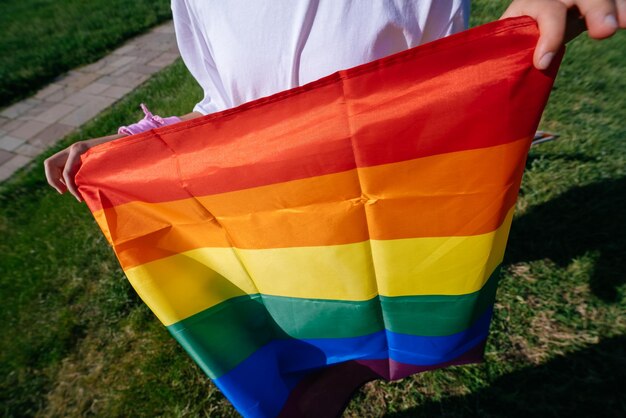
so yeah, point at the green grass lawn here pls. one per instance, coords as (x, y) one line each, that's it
(42, 39)
(78, 341)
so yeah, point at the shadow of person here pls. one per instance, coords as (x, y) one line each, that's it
(585, 219)
(577, 157)
(586, 383)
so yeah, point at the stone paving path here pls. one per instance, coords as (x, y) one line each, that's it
(28, 127)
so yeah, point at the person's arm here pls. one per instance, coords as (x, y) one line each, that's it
(191, 115)
(562, 20)
(62, 167)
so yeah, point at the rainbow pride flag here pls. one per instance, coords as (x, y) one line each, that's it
(302, 244)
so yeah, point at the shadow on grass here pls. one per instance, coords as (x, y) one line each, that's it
(584, 219)
(586, 383)
(578, 157)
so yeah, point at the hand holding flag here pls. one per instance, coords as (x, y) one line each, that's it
(560, 21)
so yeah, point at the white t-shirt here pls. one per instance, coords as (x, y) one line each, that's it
(240, 50)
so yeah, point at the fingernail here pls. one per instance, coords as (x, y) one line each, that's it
(611, 21)
(545, 61)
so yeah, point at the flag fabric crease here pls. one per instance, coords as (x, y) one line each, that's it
(302, 244)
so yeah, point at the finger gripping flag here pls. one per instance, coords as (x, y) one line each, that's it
(302, 244)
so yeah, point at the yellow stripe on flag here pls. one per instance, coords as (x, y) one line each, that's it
(179, 286)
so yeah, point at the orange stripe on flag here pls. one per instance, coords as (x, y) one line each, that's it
(456, 194)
